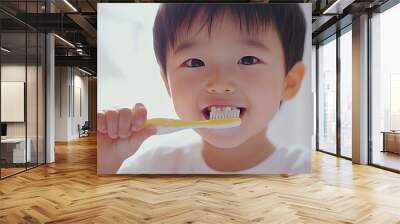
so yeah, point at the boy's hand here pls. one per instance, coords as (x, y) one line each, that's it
(119, 136)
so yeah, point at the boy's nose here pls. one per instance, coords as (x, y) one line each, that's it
(221, 88)
(221, 81)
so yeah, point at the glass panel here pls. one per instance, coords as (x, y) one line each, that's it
(346, 94)
(31, 86)
(314, 78)
(31, 100)
(385, 83)
(13, 87)
(41, 99)
(327, 97)
(23, 87)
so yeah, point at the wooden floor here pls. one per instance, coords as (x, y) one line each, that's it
(10, 171)
(387, 159)
(69, 191)
(5, 172)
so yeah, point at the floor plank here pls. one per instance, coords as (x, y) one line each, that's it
(69, 191)
(387, 159)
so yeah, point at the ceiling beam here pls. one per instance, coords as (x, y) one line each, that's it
(337, 6)
(83, 61)
(84, 24)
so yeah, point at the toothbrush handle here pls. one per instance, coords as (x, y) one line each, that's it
(166, 126)
(166, 122)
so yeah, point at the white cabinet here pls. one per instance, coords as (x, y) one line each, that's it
(17, 146)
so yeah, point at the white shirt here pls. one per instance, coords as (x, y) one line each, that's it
(189, 160)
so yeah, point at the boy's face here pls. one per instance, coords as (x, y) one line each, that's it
(229, 68)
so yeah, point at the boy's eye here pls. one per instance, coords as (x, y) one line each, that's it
(248, 60)
(193, 62)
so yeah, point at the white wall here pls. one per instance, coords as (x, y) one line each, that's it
(67, 116)
(15, 72)
(61, 82)
(80, 118)
(12, 73)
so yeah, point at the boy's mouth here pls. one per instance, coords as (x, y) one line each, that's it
(219, 112)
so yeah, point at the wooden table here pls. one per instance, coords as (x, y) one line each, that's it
(391, 141)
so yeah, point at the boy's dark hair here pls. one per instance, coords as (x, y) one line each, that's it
(287, 19)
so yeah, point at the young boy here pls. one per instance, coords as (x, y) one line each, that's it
(245, 56)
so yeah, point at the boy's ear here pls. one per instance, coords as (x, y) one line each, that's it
(165, 80)
(293, 80)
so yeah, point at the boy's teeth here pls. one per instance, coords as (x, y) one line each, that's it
(222, 108)
(221, 112)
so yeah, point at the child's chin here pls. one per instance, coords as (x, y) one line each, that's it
(222, 140)
(223, 145)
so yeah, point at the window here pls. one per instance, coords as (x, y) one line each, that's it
(346, 93)
(385, 89)
(327, 96)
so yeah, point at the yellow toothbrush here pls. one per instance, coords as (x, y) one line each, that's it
(218, 119)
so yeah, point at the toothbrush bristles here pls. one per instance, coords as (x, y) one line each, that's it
(223, 113)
